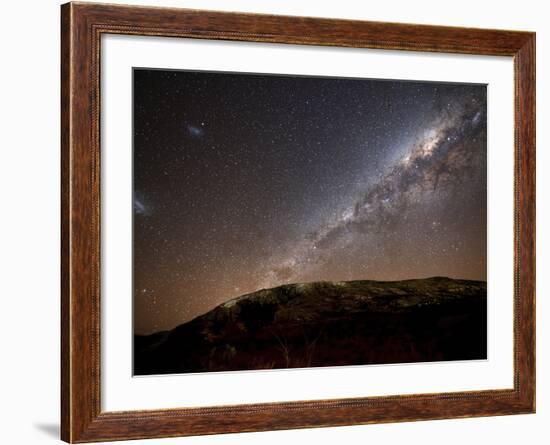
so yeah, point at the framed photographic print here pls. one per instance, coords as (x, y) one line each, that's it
(279, 222)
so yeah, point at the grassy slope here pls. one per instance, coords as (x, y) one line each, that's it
(327, 324)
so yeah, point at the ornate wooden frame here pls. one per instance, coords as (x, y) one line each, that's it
(82, 25)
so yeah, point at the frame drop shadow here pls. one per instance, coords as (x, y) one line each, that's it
(49, 429)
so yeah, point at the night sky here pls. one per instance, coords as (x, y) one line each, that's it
(243, 182)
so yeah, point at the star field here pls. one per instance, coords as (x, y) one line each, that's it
(248, 181)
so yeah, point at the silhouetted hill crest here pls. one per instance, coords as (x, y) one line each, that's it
(246, 332)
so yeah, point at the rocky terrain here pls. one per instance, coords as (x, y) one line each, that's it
(326, 324)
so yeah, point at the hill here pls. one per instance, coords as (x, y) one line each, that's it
(326, 324)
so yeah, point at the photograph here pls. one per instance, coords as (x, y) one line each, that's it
(298, 221)
(281, 219)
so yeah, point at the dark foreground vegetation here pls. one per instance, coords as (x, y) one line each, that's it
(327, 324)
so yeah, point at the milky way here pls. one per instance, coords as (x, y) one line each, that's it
(243, 182)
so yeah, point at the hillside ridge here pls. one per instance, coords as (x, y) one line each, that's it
(263, 326)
